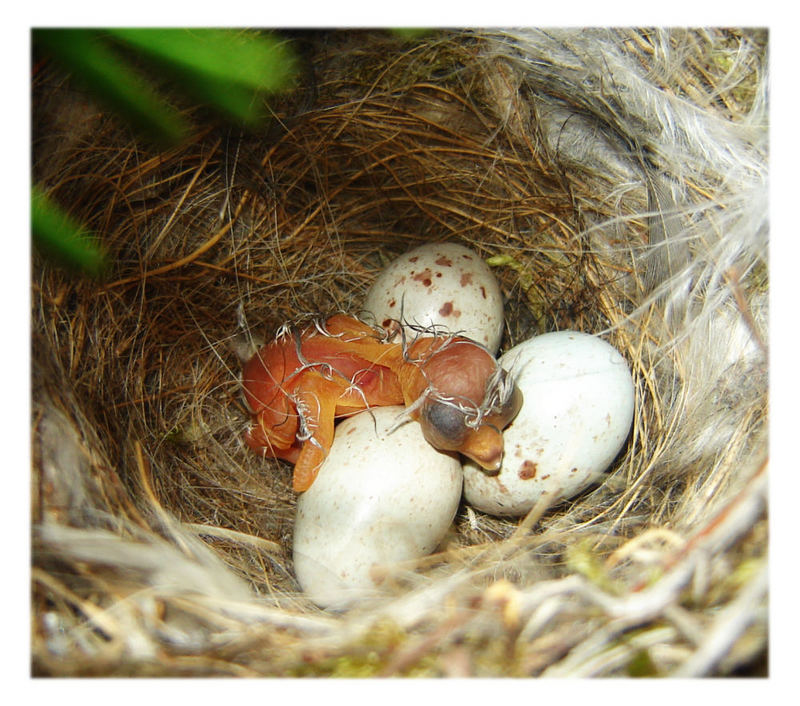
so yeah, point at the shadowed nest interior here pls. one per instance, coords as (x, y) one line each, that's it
(616, 180)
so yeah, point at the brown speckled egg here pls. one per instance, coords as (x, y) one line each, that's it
(442, 284)
(577, 409)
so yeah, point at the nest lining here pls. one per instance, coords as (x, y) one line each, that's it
(616, 178)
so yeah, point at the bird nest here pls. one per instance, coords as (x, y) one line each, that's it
(615, 179)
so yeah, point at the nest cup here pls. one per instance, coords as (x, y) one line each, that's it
(615, 180)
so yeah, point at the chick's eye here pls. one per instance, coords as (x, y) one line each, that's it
(443, 425)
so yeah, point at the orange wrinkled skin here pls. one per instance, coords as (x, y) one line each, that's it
(297, 385)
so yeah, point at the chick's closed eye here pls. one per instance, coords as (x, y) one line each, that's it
(443, 424)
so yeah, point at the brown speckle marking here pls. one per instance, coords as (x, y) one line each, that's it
(573, 470)
(466, 278)
(447, 309)
(444, 261)
(424, 277)
(392, 303)
(413, 259)
(527, 470)
(483, 291)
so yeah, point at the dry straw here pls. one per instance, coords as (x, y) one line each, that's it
(618, 182)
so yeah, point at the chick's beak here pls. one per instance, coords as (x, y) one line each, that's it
(484, 446)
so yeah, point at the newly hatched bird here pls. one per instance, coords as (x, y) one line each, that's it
(299, 383)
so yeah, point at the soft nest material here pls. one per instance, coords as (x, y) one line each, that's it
(616, 180)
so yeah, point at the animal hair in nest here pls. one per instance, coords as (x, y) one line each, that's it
(617, 179)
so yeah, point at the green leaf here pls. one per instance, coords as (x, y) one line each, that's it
(92, 62)
(61, 238)
(525, 277)
(224, 68)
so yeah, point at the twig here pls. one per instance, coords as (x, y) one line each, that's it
(234, 536)
(728, 625)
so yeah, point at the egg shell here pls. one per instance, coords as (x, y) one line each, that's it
(442, 284)
(379, 498)
(577, 409)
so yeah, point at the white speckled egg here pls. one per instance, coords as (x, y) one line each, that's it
(379, 498)
(445, 284)
(576, 413)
